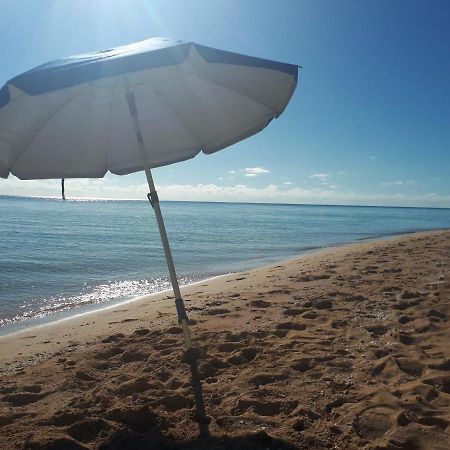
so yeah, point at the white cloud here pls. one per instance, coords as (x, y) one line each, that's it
(288, 183)
(112, 189)
(342, 172)
(231, 172)
(320, 176)
(254, 171)
(239, 192)
(274, 193)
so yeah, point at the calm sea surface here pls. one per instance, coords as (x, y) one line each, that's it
(63, 258)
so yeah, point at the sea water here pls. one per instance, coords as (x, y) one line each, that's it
(59, 258)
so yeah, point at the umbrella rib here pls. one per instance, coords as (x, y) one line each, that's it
(228, 88)
(40, 130)
(18, 97)
(108, 133)
(194, 137)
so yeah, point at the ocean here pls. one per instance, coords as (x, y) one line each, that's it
(60, 258)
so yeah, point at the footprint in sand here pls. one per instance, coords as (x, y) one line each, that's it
(380, 353)
(434, 314)
(23, 398)
(139, 419)
(174, 330)
(174, 402)
(228, 347)
(407, 295)
(406, 339)
(444, 365)
(259, 304)
(250, 353)
(133, 355)
(134, 386)
(377, 329)
(109, 353)
(375, 422)
(405, 319)
(265, 408)
(339, 323)
(84, 376)
(304, 364)
(291, 326)
(294, 311)
(113, 338)
(422, 390)
(141, 332)
(410, 366)
(35, 388)
(87, 430)
(322, 303)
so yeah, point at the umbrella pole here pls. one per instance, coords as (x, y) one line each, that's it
(191, 353)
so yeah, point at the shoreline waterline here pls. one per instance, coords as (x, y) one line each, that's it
(155, 296)
(101, 307)
(71, 311)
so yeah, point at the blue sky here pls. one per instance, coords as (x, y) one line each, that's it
(368, 124)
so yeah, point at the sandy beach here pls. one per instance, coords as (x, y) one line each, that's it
(345, 348)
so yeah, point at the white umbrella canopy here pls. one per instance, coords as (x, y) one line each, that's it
(133, 108)
(70, 118)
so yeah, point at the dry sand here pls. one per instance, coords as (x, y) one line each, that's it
(345, 348)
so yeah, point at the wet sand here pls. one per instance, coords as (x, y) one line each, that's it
(345, 348)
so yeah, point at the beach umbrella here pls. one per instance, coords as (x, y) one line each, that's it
(134, 108)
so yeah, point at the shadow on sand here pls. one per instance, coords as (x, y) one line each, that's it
(126, 439)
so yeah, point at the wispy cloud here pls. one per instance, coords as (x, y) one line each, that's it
(320, 176)
(397, 183)
(288, 183)
(254, 171)
(372, 157)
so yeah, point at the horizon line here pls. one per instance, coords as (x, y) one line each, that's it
(48, 197)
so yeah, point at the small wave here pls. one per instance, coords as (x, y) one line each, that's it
(308, 247)
(101, 294)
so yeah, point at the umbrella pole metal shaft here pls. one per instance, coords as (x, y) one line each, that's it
(179, 303)
(191, 354)
(153, 197)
